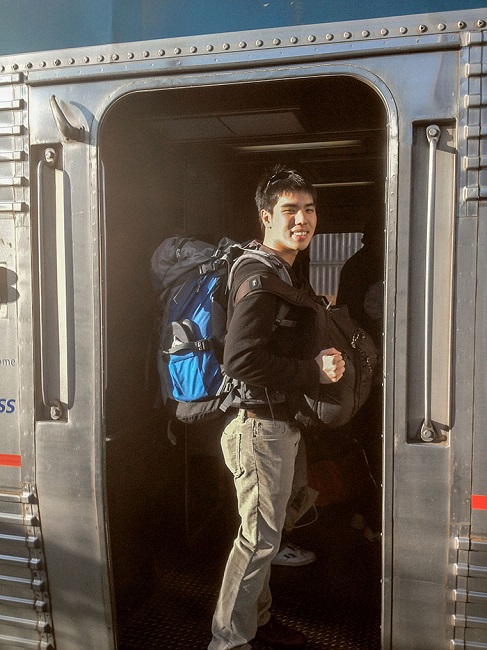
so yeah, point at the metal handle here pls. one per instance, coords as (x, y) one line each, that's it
(52, 293)
(428, 431)
(49, 160)
(69, 131)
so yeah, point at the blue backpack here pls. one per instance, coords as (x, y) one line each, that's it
(192, 279)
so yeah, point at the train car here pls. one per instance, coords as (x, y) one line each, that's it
(114, 522)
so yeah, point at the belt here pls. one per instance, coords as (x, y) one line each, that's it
(278, 412)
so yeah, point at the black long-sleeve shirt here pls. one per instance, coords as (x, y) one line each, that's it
(275, 364)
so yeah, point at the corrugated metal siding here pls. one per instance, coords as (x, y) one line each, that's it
(25, 620)
(328, 253)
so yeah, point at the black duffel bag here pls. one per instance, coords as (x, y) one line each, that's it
(334, 405)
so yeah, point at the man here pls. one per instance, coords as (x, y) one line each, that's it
(275, 367)
(361, 283)
(361, 288)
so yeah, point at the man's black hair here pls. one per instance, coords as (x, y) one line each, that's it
(274, 184)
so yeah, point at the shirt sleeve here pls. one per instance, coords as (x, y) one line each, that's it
(250, 357)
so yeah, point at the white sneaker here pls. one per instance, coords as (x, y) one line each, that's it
(292, 555)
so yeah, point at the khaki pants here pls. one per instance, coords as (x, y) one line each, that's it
(261, 454)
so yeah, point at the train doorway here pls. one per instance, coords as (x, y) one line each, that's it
(186, 160)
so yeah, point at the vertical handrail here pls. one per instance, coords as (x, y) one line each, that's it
(428, 431)
(48, 161)
(54, 404)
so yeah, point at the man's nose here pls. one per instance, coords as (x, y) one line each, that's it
(300, 216)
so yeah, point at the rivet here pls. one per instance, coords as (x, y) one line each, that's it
(130, 55)
(293, 40)
(177, 50)
(161, 52)
(365, 33)
(115, 57)
(311, 38)
(481, 23)
(100, 58)
(259, 43)
(403, 30)
(442, 27)
(242, 45)
(384, 31)
(145, 54)
(57, 62)
(71, 61)
(276, 41)
(329, 37)
(461, 24)
(86, 59)
(347, 35)
(28, 65)
(15, 66)
(2, 68)
(226, 46)
(209, 48)
(193, 49)
(427, 435)
(422, 28)
(42, 64)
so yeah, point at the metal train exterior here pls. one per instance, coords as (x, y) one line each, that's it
(107, 149)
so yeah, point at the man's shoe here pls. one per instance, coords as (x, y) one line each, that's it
(278, 635)
(292, 555)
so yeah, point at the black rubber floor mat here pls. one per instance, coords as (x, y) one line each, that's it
(335, 602)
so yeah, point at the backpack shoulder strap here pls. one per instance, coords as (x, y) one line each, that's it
(270, 283)
(254, 284)
(271, 262)
(274, 278)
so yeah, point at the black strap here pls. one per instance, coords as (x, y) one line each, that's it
(270, 283)
(182, 346)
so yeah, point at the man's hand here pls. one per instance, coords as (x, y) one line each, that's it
(332, 365)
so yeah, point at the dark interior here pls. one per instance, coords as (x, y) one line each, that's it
(186, 161)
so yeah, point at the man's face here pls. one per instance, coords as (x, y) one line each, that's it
(291, 225)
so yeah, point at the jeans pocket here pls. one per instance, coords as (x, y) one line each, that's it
(274, 429)
(232, 452)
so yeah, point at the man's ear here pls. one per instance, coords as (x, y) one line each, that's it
(266, 217)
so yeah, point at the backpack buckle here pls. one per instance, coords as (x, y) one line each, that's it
(203, 345)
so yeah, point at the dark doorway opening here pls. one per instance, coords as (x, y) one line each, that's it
(186, 161)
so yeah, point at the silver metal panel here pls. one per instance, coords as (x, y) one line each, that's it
(420, 512)
(69, 448)
(418, 471)
(467, 256)
(466, 580)
(333, 41)
(418, 477)
(479, 469)
(9, 358)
